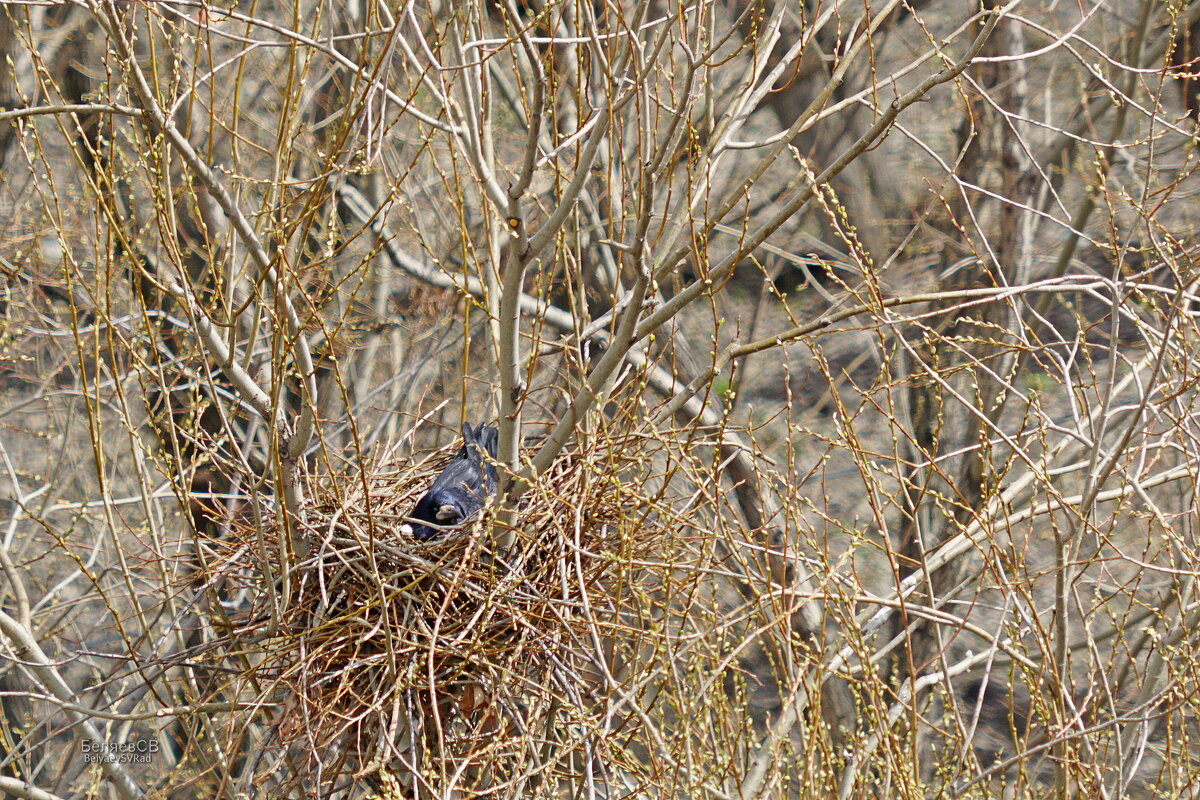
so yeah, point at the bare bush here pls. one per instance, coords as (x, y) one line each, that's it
(841, 357)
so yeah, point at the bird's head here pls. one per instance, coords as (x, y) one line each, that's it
(461, 490)
(436, 511)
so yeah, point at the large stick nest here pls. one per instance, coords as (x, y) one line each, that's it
(403, 657)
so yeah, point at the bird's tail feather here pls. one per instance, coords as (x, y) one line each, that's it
(483, 437)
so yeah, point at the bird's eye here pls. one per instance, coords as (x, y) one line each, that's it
(447, 513)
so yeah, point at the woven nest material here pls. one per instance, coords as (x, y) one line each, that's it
(393, 654)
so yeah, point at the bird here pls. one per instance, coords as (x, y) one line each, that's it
(460, 491)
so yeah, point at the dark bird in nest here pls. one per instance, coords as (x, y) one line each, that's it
(462, 488)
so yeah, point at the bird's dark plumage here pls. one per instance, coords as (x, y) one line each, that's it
(462, 488)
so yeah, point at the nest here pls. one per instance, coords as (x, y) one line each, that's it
(409, 658)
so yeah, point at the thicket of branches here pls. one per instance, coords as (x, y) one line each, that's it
(841, 353)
